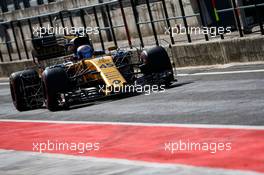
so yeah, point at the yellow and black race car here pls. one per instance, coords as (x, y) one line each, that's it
(86, 75)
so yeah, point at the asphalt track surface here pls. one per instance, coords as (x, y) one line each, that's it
(232, 99)
(209, 103)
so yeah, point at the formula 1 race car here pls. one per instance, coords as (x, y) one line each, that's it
(86, 76)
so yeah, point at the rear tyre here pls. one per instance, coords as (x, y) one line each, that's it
(156, 63)
(26, 91)
(55, 81)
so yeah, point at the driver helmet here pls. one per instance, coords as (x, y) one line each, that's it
(85, 51)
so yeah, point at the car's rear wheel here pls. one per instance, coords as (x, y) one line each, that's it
(155, 61)
(55, 81)
(26, 91)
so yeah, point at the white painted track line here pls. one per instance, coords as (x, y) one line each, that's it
(250, 127)
(202, 73)
(222, 73)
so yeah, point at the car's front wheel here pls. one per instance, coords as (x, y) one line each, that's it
(26, 90)
(55, 82)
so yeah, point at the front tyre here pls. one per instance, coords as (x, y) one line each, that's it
(26, 90)
(55, 81)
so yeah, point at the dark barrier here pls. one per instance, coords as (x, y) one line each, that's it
(240, 14)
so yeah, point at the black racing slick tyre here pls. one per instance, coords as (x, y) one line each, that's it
(156, 66)
(155, 60)
(55, 81)
(26, 90)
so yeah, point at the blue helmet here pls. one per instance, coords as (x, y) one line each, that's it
(85, 51)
